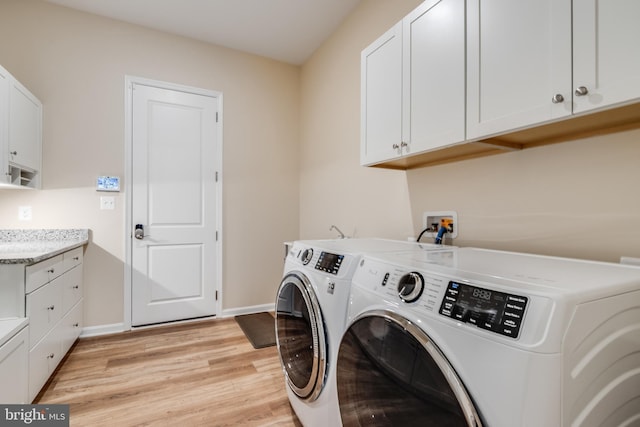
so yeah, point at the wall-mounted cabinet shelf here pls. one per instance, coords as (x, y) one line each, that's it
(578, 127)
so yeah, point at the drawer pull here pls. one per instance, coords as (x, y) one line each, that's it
(51, 307)
(76, 287)
(75, 325)
(76, 258)
(51, 356)
(51, 271)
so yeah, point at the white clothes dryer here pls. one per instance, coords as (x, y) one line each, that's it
(311, 309)
(490, 338)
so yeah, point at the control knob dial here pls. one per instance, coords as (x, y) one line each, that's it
(410, 286)
(306, 256)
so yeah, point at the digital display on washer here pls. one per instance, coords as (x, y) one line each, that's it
(329, 262)
(492, 310)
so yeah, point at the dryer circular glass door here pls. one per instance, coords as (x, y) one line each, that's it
(390, 373)
(300, 336)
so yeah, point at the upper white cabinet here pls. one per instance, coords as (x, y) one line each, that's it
(4, 125)
(413, 84)
(20, 133)
(518, 58)
(381, 98)
(527, 67)
(606, 59)
(536, 72)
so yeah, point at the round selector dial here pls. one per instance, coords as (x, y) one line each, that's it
(306, 256)
(410, 286)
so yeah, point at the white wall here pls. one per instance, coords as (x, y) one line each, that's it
(76, 64)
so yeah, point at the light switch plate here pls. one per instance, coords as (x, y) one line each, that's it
(107, 203)
(25, 213)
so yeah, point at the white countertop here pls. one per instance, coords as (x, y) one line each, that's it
(31, 246)
(11, 326)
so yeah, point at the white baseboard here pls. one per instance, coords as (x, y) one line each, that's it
(94, 331)
(230, 312)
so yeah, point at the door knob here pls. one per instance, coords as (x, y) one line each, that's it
(557, 98)
(139, 232)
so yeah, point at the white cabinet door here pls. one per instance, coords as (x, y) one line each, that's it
(434, 75)
(44, 309)
(4, 126)
(25, 122)
(14, 369)
(381, 98)
(518, 59)
(606, 58)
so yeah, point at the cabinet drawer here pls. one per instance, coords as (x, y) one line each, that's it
(14, 369)
(43, 359)
(44, 309)
(71, 326)
(71, 288)
(43, 272)
(72, 258)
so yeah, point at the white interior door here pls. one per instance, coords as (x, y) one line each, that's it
(173, 259)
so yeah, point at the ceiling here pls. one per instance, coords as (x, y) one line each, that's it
(285, 30)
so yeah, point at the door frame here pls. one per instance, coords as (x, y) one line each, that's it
(128, 175)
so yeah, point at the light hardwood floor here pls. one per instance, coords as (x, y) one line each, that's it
(196, 374)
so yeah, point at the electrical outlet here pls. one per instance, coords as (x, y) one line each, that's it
(434, 219)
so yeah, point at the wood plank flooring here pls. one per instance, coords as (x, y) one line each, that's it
(195, 374)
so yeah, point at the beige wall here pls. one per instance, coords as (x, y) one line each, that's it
(76, 64)
(576, 199)
(362, 202)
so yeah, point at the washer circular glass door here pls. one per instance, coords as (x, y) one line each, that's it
(300, 336)
(390, 373)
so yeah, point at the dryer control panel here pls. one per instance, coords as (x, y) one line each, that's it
(329, 263)
(487, 309)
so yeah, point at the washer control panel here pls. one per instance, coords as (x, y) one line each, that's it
(329, 263)
(491, 310)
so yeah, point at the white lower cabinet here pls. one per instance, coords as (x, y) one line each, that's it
(55, 315)
(14, 368)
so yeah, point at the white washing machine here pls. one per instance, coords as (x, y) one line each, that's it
(486, 338)
(311, 309)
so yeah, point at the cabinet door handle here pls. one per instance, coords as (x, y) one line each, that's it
(76, 258)
(581, 91)
(76, 287)
(51, 356)
(13, 153)
(75, 325)
(51, 307)
(51, 271)
(403, 144)
(557, 98)
(395, 146)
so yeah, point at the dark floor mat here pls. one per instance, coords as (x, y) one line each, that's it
(259, 328)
